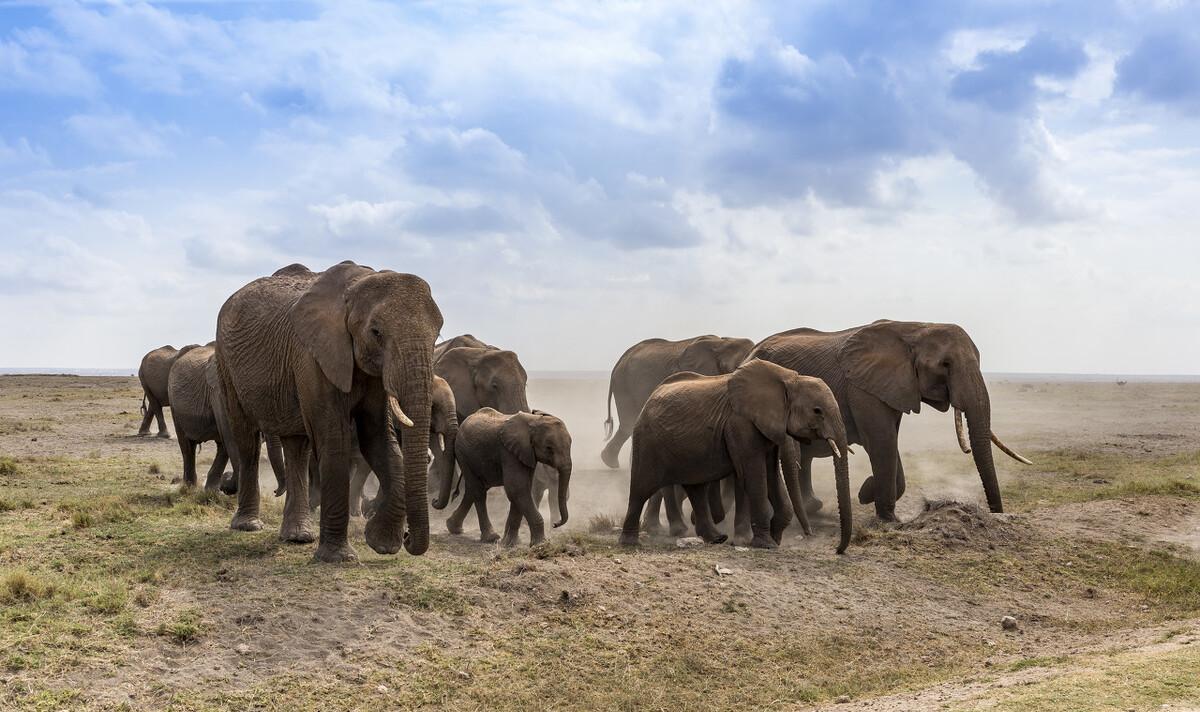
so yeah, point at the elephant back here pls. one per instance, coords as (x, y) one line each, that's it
(811, 353)
(188, 383)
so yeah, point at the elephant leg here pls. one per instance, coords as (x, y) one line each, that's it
(650, 521)
(148, 415)
(512, 525)
(812, 503)
(633, 516)
(455, 521)
(162, 423)
(781, 506)
(487, 534)
(358, 480)
(217, 469)
(243, 445)
(754, 480)
(612, 449)
(187, 449)
(899, 476)
(671, 498)
(880, 487)
(742, 530)
(517, 480)
(716, 504)
(314, 482)
(705, 528)
(275, 457)
(297, 519)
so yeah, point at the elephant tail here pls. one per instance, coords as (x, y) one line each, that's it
(608, 424)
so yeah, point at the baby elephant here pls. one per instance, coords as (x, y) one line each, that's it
(497, 449)
(695, 430)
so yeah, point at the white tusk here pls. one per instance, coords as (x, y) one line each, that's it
(958, 430)
(1007, 451)
(398, 414)
(833, 446)
(441, 443)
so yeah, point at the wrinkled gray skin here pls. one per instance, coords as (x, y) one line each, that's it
(879, 372)
(460, 340)
(443, 431)
(495, 449)
(648, 363)
(696, 430)
(321, 358)
(198, 414)
(154, 373)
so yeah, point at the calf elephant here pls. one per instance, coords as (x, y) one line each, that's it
(879, 372)
(647, 363)
(322, 358)
(154, 372)
(696, 430)
(198, 413)
(497, 449)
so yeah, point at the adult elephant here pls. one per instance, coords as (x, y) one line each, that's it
(647, 363)
(697, 430)
(879, 372)
(153, 373)
(460, 340)
(484, 377)
(319, 358)
(198, 414)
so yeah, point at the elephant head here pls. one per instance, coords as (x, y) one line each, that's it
(714, 355)
(541, 437)
(906, 363)
(455, 342)
(783, 404)
(483, 377)
(383, 324)
(445, 423)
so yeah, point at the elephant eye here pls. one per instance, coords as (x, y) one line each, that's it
(946, 363)
(817, 410)
(376, 332)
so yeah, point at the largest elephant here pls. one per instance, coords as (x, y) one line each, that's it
(647, 363)
(317, 358)
(879, 372)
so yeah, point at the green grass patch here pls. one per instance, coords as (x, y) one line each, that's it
(19, 587)
(1061, 476)
(8, 466)
(185, 628)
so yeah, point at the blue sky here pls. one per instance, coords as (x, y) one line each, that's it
(573, 177)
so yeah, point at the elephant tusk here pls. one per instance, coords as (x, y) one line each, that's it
(441, 443)
(1008, 451)
(398, 414)
(958, 430)
(837, 452)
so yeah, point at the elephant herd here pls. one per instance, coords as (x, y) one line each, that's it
(340, 374)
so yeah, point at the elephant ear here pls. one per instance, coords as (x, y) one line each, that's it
(878, 360)
(455, 367)
(701, 357)
(319, 319)
(517, 438)
(757, 392)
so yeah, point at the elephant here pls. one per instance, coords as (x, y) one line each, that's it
(317, 359)
(443, 431)
(198, 414)
(153, 373)
(460, 340)
(647, 363)
(696, 430)
(483, 377)
(879, 372)
(494, 449)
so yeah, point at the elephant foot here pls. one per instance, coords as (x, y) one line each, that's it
(887, 516)
(866, 493)
(164, 435)
(453, 527)
(229, 485)
(335, 553)
(678, 530)
(610, 458)
(628, 538)
(537, 541)
(652, 526)
(297, 533)
(812, 505)
(508, 542)
(763, 541)
(246, 522)
(777, 532)
(492, 537)
(384, 537)
(742, 538)
(716, 539)
(143, 433)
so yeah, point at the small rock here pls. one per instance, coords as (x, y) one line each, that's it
(842, 699)
(1008, 623)
(1089, 592)
(242, 649)
(722, 571)
(689, 542)
(741, 548)
(381, 689)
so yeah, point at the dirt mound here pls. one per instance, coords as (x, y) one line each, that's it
(961, 524)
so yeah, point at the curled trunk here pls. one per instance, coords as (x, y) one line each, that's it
(789, 460)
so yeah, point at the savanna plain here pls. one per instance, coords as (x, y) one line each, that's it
(120, 590)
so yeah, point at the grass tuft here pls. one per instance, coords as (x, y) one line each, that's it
(8, 466)
(24, 587)
(602, 524)
(185, 629)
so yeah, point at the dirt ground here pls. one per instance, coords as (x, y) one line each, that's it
(119, 591)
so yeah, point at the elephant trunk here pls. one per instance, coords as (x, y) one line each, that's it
(789, 460)
(564, 486)
(973, 396)
(444, 463)
(408, 384)
(841, 471)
